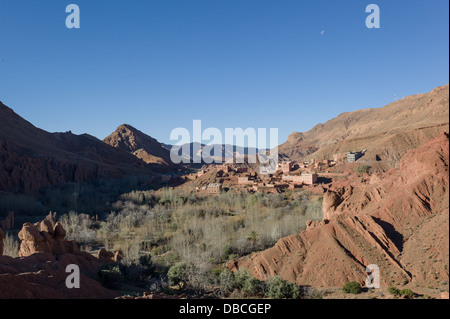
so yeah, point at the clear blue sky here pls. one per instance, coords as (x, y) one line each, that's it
(158, 65)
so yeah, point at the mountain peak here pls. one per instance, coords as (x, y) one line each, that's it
(126, 127)
(143, 146)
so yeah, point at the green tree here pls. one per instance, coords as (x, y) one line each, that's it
(246, 283)
(278, 288)
(352, 288)
(226, 279)
(177, 274)
(110, 276)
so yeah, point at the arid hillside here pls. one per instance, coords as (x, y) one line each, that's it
(32, 158)
(144, 147)
(398, 220)
(386, 133)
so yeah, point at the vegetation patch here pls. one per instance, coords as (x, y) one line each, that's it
(352, 288)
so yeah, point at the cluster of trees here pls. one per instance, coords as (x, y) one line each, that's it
(240, 283)
(181, 231)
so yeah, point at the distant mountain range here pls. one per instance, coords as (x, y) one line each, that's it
(32, 158)
(148, 149)
(386, 133)
(226, 152)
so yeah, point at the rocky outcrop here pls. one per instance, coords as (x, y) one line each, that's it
(43, 237)
(332, 199)
(109, 256)
(40, 271)
(398, 221)
(43, 276)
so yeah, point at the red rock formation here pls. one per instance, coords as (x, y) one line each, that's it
(398, 221)
(43, 276)
(108, 256)
(43, 237)
(40, 271)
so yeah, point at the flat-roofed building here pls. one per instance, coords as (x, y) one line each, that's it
(353, 156)
(297, 180)
(309, 178)
(286, 167)
(214, 188)
(244, 180)
(242, 169)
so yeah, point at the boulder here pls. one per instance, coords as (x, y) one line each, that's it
(40, 272)
(105, 256)
(44, 238)
(108, 256)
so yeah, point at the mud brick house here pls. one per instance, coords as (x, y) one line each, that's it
(214, 188)
(244, 180)
(309, 178)
(286, 167)
(353, 156)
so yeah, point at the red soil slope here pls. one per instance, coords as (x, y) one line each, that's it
(398, 220)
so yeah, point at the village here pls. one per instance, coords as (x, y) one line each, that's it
(212, 179)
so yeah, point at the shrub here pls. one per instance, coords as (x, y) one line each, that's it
(227, 252)
(394, 291)
(352, 288)
(278, 288)
(146, 261)
(251, 287)
(407, 292)
(110, 275)
(403, 292)
(240, 277)
(11, 246)
(79, 228)
(246, 283)
(135, 273)
(226, 281)
(178, 274)
(364, 169)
